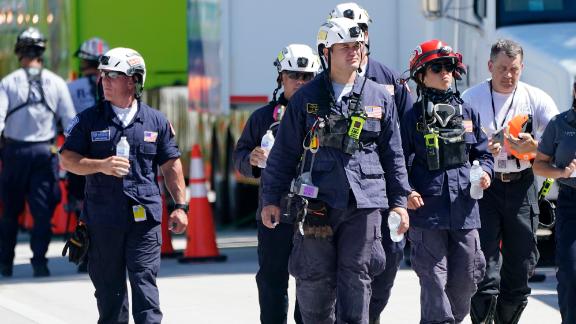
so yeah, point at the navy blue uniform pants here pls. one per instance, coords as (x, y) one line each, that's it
(449, 264)
(29, 171)
(336, 270)
(274, 246)
(112, 252)
(382, 283)
(566, 253)
(509, 214)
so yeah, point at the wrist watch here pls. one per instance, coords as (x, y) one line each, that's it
(184, 207)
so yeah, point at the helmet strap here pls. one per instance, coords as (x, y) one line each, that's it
(278, 87)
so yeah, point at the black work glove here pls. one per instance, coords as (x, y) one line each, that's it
(77, 245)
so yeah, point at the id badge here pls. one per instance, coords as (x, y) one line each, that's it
(502, 158)
(308, 191)
(139, 213)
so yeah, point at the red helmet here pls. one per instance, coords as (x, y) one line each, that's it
(429, 51)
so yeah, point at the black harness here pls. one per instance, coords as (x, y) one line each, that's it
(35, 81)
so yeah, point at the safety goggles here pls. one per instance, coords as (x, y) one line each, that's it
(438, 66)
(295, 75)
(111, 74)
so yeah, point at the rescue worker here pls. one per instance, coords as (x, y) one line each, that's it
(123, 208)
(509, 210)
(33, 101)
(374, 70)
(444, 135)
(341, 128)
(84, 90)
(556, 159)
(296, 64)
(85, 93)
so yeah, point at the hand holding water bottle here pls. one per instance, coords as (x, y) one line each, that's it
(398, 223)
(479, 180)
(122, 151)
(266, 146)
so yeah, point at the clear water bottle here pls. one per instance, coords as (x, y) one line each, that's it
(476, 192)
(123, 150)
(394, 220)
(266, 145)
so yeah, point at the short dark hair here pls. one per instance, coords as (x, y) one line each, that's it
(509, 47)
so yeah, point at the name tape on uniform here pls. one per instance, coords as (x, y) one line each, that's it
(100, 136)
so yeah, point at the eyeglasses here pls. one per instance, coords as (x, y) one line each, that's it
(437, 67)
(111, 74)
(295, 75)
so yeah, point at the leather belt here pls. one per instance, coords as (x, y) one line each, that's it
(512, 176)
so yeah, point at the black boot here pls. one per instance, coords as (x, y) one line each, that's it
(483, 311)
(374, 321)
(509, 314)
(41, 270)
(6, 270)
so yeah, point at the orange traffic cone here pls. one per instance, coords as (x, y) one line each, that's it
(201, 240)
(167, 250)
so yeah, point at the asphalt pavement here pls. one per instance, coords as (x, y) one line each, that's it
(209, 293)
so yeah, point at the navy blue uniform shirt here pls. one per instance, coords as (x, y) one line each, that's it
(94, 134)
(259, 122)
(376, 174)
(559, 142)
(446, 192)
(381, 74)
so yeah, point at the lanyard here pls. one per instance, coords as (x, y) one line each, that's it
(494, 108)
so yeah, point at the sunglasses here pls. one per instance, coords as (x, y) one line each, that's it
(437, 67)
(111, 74)
(295, 75)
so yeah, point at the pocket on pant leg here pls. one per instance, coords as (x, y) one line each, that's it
(312, 259)
(378, 256)
(479, 269)
(424, 257)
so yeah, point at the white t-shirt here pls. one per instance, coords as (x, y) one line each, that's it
(341, 90)
(526, 100)
(126, 114)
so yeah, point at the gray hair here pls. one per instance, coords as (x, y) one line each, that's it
(509, 47)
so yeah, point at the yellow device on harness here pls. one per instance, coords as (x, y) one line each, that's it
(432, 151)
(356, 125)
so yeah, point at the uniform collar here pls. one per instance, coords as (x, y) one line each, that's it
(571, 116)
(110, 115)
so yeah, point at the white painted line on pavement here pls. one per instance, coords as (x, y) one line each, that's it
(28, 312)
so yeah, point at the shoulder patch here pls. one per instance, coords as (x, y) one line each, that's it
(389, 88)
(71, 126)
(468, 126)
(312, 108)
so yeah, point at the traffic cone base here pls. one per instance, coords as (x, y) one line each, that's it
(218, 258)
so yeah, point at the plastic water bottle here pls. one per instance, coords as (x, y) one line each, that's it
(266, 145)
(123, 150)
(394, 220)
(476, 192)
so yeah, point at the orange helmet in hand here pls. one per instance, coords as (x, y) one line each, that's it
(519, 124)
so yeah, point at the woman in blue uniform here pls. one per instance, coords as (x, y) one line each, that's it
(556, 158)
(444, 218)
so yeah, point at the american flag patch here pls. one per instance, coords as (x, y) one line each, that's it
(373, 111)
(468, 128)
(150, 136)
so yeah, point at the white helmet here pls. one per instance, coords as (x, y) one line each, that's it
(297, 57)
(127, 61)
(338, 30)
(92, 49)
(351, 10)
